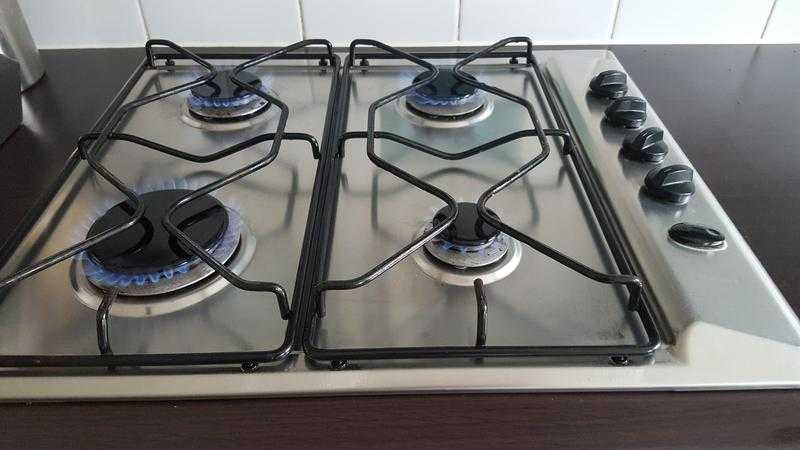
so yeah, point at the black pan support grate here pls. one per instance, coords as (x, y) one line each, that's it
(618, 354)
(303, 317)
(92, 144)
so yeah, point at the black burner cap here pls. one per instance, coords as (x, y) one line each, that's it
(221, 86)
(147, 246)
(445, 86)
(469, 229)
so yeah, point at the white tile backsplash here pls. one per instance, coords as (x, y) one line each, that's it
(104, 23)
(393, 21)
(691, 20)
(215, 22)
(84, 23)
(542, 20)
(784, 24)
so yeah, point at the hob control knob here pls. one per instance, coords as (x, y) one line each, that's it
(646, 146)
(628, 112)
(697, 236)
(609, 84)
(671, 184)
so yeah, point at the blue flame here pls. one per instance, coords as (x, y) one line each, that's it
(482, 249)
(420, 98)
(244, 99)
(103, 277)
(220, 103)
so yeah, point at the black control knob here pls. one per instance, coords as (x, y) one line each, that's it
(697, 236)
(628, 112)
(672, 184)
(609, 84)
(646, 146)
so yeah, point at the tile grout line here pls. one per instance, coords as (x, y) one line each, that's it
(459, 19)
(769, 18)
(303, 33)
(616, 19)
(144, 20)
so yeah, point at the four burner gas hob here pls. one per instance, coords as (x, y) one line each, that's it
(304, 222)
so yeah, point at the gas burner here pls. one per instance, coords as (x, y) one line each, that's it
(445, 102)
(469, 248)
(221, 101)
(445, 98)
(146, 252)
(152, 271)
(469, 241)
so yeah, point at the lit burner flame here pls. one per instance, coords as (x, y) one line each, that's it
(480, 249)
(244, 99)
(103, 277)
(420, 98)
(219, 103)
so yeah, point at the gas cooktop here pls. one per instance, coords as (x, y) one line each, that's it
(300, 222)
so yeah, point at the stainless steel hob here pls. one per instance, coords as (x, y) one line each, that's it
(301, 222)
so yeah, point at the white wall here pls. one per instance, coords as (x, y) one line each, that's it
(105, 23)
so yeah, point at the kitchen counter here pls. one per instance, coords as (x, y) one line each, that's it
(735, 111)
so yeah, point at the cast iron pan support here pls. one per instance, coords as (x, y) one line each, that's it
(633, 282)
(96, 141)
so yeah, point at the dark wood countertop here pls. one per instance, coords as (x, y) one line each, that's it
(734, 109)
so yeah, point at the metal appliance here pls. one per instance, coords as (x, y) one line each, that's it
(290, 224)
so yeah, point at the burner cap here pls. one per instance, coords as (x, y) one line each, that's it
(220, 99)
(147, 246)
(445, 97)
(445, 87)
(469, 229)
